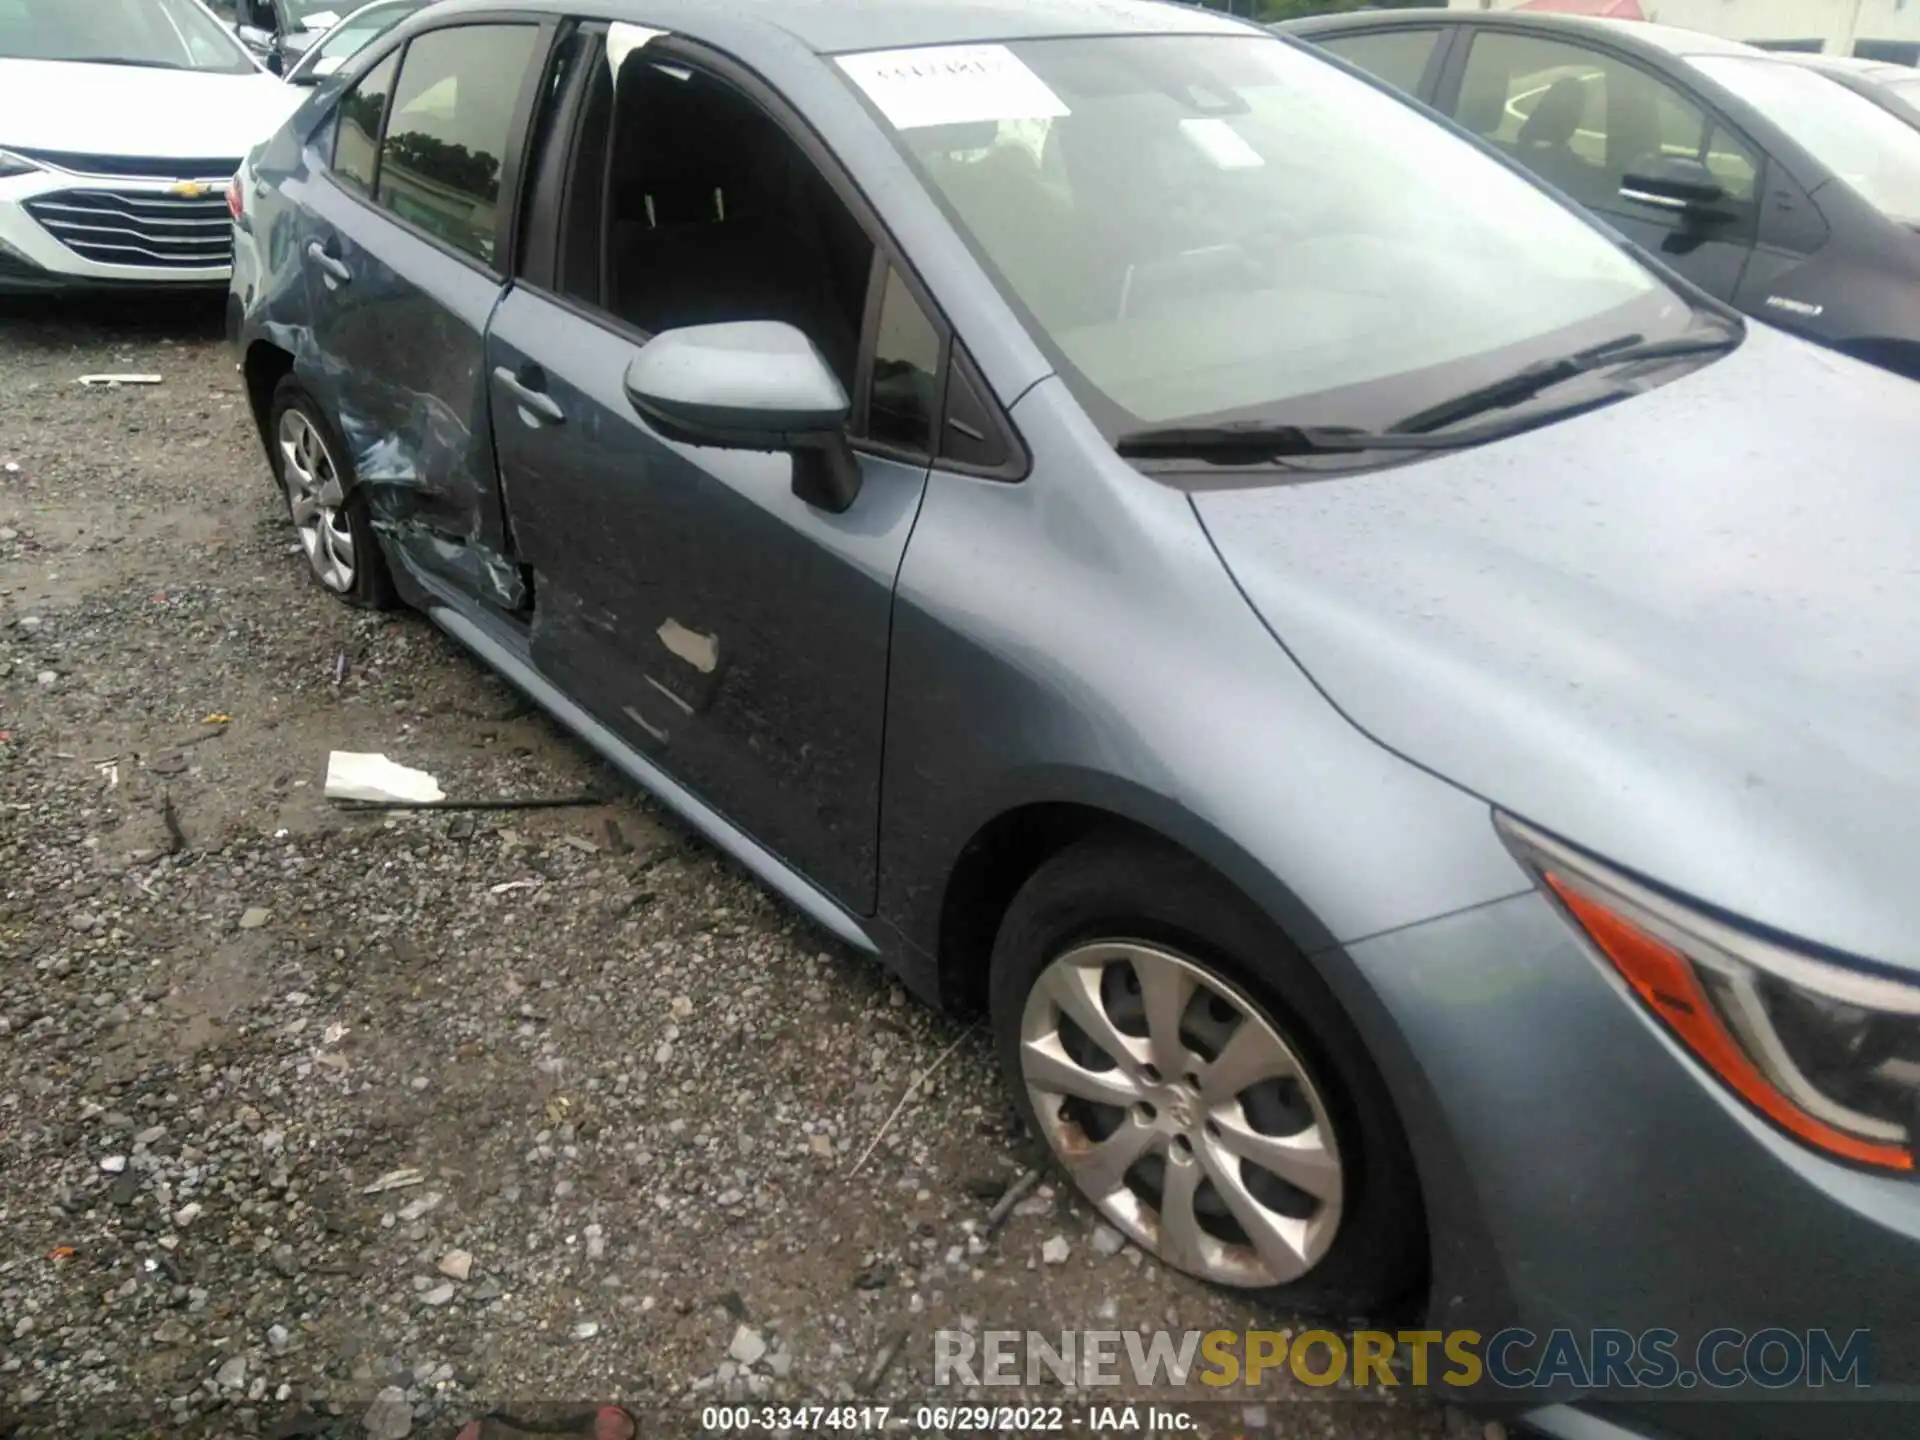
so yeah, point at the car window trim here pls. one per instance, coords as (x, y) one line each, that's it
(1447, 98)
(511, 163)
(887, 254)
(540, 235)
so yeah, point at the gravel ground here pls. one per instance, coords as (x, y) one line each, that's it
(622, 1094)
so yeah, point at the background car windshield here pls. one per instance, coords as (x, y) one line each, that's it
(1210, 226)
(165, 34)
(1874, 151)
(358, 31)
(318, 14)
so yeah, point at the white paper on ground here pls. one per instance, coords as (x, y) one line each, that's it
(951, 85)
(376, 778)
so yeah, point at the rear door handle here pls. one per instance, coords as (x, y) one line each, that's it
(536, 402)
(335, 270)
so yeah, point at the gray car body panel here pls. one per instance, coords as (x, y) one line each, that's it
(1074, 639)
(1694, 657)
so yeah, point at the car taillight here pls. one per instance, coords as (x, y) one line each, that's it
(1828, 1052)
(236, 198)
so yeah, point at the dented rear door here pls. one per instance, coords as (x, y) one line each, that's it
(404, 273)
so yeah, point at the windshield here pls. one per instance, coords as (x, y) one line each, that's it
(1873, 150)
(1226, 227)
(355, 33)
(317, 14)
(164, 34)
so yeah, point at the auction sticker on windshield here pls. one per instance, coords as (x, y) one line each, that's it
(951, 85)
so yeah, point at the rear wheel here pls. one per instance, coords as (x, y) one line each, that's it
(329, 514)
(1199, 1084)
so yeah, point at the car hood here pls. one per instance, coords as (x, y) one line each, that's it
(126, 110)
(1682, 631)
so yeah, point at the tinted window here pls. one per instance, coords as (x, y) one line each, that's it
(440, 167)
(906, 362)
(1398, 57)
(357, 140)
(1583, 120)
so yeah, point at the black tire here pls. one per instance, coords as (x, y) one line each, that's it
(372, 587)
(1127, 888)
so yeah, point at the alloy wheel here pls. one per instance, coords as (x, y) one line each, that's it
(1182, 1113)
(317, 501)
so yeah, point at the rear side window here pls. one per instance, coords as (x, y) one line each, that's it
(447, 141)
(357, 140)
(1398, 57)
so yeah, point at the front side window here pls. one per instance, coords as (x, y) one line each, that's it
(447, 140)
(1218, 228)
(1584, 120)
(1872, 150)
(1398, 57)
(151, 34)
(904, 389)
(356, 141)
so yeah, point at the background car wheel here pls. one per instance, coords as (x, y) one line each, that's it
(1198, 1082)
(329, 514)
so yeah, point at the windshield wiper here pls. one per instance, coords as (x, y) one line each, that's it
(1530, 380)
(123, 60)
(1252, 442)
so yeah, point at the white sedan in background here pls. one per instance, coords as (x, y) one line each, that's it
(121, 123)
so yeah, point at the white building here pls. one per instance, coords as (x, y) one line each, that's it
(1875, 29)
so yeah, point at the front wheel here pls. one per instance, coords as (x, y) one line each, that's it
(1198, 1083)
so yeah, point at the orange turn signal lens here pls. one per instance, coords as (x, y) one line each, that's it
(1668, 984)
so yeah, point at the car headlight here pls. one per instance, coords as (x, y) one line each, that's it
(12, 165)
(1829, 1052)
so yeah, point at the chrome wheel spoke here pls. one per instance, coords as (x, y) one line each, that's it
(1302, 1160)
(305, 508)
(1183, 1243)
(1252, 1053)
(328, 491)
(1076, 990)
(1050, 1069)
(1279, 1241)
(341, 539)
(1165, 989)
(1102, 1168)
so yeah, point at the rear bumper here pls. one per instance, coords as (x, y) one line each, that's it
(1618, 1188)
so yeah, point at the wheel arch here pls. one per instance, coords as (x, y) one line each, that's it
(1005, 849)
(264, 366)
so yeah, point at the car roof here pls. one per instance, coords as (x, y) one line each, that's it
(1669, 39)
(832, 27)
(1845, 64)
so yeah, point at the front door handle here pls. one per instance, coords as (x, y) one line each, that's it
(336, 270)
(535, 402)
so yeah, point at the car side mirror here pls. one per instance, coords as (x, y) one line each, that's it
(751, 385)
(1676, 182)
(254, 38)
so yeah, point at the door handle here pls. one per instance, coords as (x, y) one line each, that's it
(335, 270)
(538, 402)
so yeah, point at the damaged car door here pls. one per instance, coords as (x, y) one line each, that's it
(405, 248)
(716, 589)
